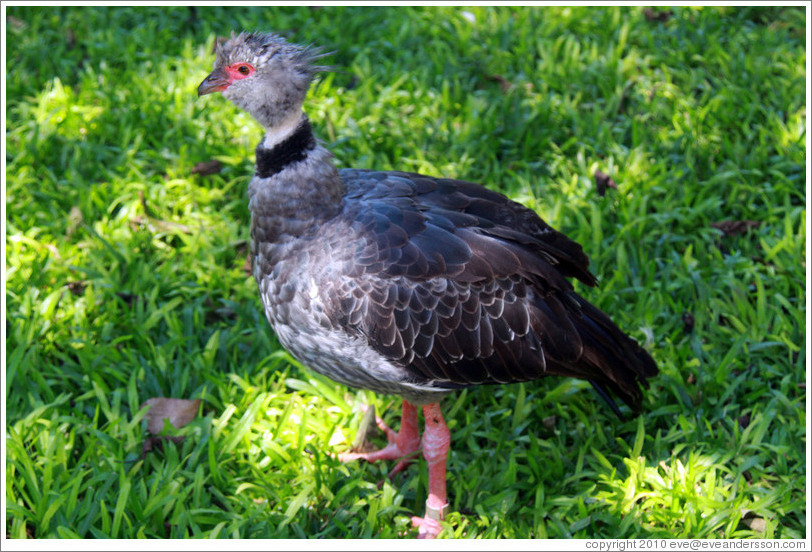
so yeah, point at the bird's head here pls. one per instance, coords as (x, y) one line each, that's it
(263, 74)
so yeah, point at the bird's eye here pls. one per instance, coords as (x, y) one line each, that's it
(237, 71)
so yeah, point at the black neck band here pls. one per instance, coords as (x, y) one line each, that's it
(292, 149)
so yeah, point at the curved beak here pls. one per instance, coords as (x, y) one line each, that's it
(217, 81)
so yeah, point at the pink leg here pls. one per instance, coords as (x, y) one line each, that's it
(436, 442)
(402, 445)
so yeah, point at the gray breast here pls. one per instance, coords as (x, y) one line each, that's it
(298, 282)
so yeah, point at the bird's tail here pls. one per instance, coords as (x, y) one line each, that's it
(615, 361)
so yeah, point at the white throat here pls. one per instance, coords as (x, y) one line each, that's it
(275, 135)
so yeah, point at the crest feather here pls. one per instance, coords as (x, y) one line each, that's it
(260, 47)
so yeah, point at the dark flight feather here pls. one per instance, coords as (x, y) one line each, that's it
(470, 288)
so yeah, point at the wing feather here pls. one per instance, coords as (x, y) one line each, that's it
(461, 286)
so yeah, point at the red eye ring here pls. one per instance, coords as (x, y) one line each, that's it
(240, 70)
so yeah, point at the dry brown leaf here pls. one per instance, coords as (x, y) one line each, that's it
(76, 288)
(205, 168)
(549, 422)
(661, 16)
(603, 181)
(179, 412)
(504, 84)
(735, 227)
(753, 521)
(688, 322)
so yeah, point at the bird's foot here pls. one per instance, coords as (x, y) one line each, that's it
(403, 445)
(392, 451)
(428, 527)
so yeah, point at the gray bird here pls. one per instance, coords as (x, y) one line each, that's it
(407, 284)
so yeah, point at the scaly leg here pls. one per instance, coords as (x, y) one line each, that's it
(436, 442)
(402, 446)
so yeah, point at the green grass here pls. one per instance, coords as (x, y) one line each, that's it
(125, 271)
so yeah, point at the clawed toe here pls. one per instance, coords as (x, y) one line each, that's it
(403, 445)
(427, 528)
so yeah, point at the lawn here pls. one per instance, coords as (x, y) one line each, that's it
(126, 270)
